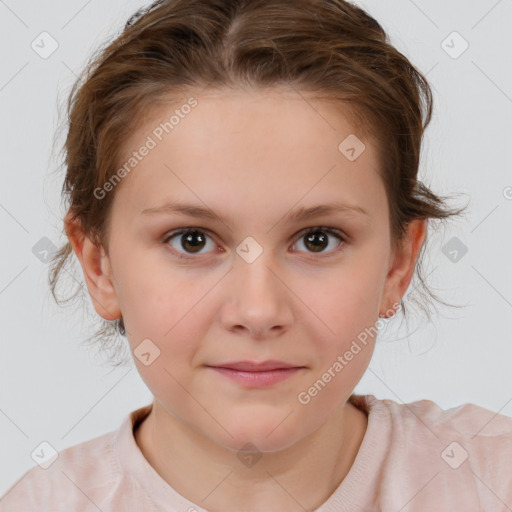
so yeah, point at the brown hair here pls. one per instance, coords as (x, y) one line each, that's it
(329, 47)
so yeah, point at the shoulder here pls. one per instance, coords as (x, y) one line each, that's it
(97, 474)
(69, 477)
(466, 420)
(463, 449)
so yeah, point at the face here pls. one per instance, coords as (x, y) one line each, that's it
(254, 280)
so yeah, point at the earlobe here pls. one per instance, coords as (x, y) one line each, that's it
(97, 270)
(403, 264)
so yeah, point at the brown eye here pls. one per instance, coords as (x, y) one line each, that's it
(193, 241)
(316, 240)
(188, 241)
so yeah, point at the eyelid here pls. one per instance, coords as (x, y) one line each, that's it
(327, 229)
(338, 233)
(181, 231)
(335, 232)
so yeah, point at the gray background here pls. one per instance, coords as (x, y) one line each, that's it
(52, 390)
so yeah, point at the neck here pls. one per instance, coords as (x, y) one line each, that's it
(300, 477)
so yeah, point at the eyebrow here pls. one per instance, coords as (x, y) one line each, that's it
(300, 214)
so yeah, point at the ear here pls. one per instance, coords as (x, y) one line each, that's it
(96, 268)
(402, 264)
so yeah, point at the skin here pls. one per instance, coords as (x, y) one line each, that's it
(254, 156)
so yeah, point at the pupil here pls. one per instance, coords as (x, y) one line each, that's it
(315, 237)
(195, 240)
(189, 239)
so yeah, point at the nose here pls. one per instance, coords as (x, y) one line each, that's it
(257, 300)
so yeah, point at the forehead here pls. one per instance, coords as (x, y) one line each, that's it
(257, 146)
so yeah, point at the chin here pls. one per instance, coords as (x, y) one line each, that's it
(266, 437)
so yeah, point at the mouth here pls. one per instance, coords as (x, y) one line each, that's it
(256, 366)
(256, 374)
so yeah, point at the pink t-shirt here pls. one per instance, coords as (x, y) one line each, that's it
(414, 457)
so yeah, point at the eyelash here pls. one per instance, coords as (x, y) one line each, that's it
(331, 231)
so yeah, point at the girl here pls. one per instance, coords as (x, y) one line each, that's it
(244, 204)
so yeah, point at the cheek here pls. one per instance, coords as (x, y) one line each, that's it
(164, 330)
(345, 349)
(157, 299)
(174, 338)
(349, 299)
(347, 305)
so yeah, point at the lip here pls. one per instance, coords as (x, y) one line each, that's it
(255, 366)
(257, 374)
(257, 379)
